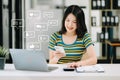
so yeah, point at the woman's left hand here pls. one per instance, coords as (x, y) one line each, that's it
(74, 64)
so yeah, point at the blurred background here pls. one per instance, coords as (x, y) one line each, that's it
(28, 24)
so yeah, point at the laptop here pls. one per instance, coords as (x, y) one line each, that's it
(30, 60)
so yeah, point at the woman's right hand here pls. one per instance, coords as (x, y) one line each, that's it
(58, 54)
(55, 56)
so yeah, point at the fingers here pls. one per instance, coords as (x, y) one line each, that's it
(78, 64)
(74, 65)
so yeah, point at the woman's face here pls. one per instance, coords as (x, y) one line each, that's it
(70, 23)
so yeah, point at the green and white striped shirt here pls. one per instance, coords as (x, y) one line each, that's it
(73, 51)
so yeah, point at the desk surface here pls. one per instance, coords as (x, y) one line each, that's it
(112, 72)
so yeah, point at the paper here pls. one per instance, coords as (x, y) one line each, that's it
(91, 68)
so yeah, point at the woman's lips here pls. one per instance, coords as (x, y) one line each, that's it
(70, 28)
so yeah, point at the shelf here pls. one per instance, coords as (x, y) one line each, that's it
(103, 58)
(117, 60)
(105, 4)
(105, 9)
(107, 21)
(105, 26)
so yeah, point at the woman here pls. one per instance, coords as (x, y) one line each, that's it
(75, 39)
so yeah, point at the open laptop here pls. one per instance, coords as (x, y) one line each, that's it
(31, 60)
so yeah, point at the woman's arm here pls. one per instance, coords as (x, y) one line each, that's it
(89, 58)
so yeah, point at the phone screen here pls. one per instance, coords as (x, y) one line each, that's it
(60, 48)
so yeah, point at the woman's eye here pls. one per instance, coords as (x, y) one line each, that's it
(74, 22)
(67, 20)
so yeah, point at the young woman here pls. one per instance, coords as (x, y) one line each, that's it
(75, 39)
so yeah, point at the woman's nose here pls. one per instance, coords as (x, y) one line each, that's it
(70, 23)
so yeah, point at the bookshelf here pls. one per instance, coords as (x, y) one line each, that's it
(105, 17)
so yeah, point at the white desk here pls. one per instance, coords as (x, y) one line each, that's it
(112, 72)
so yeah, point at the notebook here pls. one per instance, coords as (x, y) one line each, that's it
(31, 60)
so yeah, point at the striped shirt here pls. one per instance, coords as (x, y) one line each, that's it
(73, 51)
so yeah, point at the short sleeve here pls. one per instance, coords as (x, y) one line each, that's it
(87, 40)
(52, 41)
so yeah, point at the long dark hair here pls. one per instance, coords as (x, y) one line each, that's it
(80, 18)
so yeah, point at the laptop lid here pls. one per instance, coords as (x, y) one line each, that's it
(33, 60)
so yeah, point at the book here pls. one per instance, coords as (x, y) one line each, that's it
(92, 68)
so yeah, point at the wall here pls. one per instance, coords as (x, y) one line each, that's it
(42, 19)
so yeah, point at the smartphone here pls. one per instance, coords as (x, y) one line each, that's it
(68, 69)
(60, 48)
